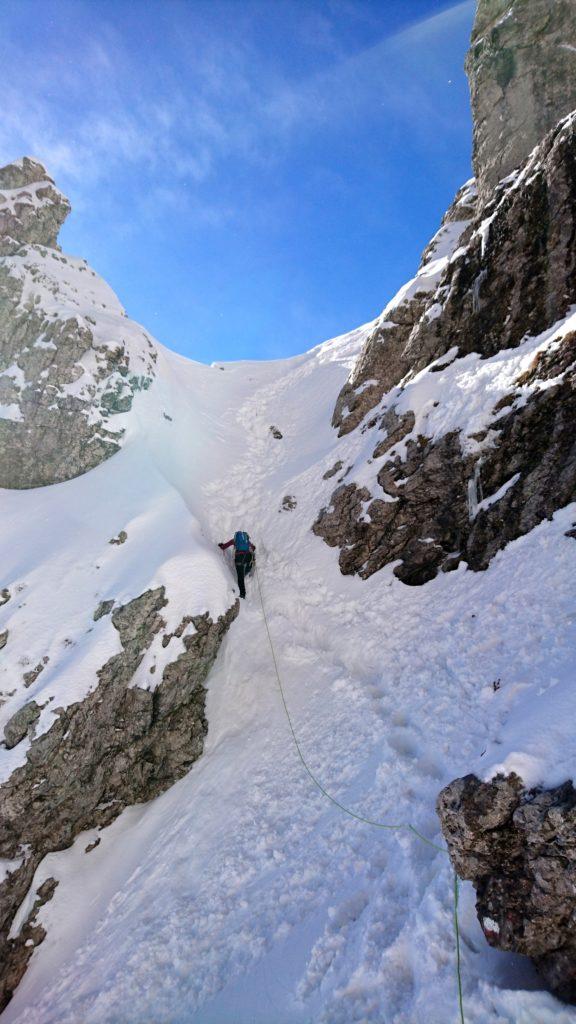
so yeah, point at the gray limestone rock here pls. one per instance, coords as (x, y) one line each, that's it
(518, 847)
(104, 608)
(32, 675)
(31, 934)
(120, 539)
(422, 524)
(121, 745)
(514, 277)
(23, 172)
(17, 727)
(522, 76)
(31, 207)
(60, 387)
(333, 470)
(387, 356)
(537, 444)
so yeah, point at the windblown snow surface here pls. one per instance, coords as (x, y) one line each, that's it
(242, 895)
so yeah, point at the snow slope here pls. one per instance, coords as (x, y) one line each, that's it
(241, 895)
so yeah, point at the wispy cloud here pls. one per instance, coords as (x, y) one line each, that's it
(100, 106)
(394, 73)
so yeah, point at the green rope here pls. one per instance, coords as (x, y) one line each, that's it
(353, 814)
(457, 934)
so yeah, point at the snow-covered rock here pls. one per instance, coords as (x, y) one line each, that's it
(518, 846)
(116, 603)
(71, 362)
(120, 745)
(32, 209)
(386, 357)
(464, 434)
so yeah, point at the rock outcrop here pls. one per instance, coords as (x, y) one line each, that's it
(68, 363)
(32, 209)
(511, 278)
(500, 271)
(518, 847)
(522, 73)
(20, 724)
(121, 745)
(398, 344)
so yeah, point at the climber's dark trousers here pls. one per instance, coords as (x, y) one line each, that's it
(243, 562)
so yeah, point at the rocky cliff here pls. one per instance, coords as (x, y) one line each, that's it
(522, 73)
(121, 745)
(424, 488)
(457, 428)
(440, 486)
(67, 369)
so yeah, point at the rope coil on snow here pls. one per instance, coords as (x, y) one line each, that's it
(353, 814)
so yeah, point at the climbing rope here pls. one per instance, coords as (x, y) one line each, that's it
(457, 934)
(353, 814)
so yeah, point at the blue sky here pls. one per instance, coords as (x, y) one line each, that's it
(251, 176)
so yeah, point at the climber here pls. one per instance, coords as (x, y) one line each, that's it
(243, 556)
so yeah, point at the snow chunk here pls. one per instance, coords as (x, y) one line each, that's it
(11, 412)
(490, 926)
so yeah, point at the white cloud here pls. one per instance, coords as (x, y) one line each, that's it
(88, 114)
(426, 29)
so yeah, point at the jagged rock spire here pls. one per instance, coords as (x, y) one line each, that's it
(23, 172)
(32, 209)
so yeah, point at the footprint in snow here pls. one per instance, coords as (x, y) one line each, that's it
(404, 743)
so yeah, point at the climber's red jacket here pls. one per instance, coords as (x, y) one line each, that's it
(229, 543)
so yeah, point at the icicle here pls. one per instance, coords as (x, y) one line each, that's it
(474, 491)
(479, 281)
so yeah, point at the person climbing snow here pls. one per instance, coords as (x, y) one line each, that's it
(243, 556)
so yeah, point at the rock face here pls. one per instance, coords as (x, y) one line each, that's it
(500, 271)
(518, 847)
(522, 73)
(511, 277)
(121, 745)
(69, 366)
(399, 343)
(18, 726)
(31, 207)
